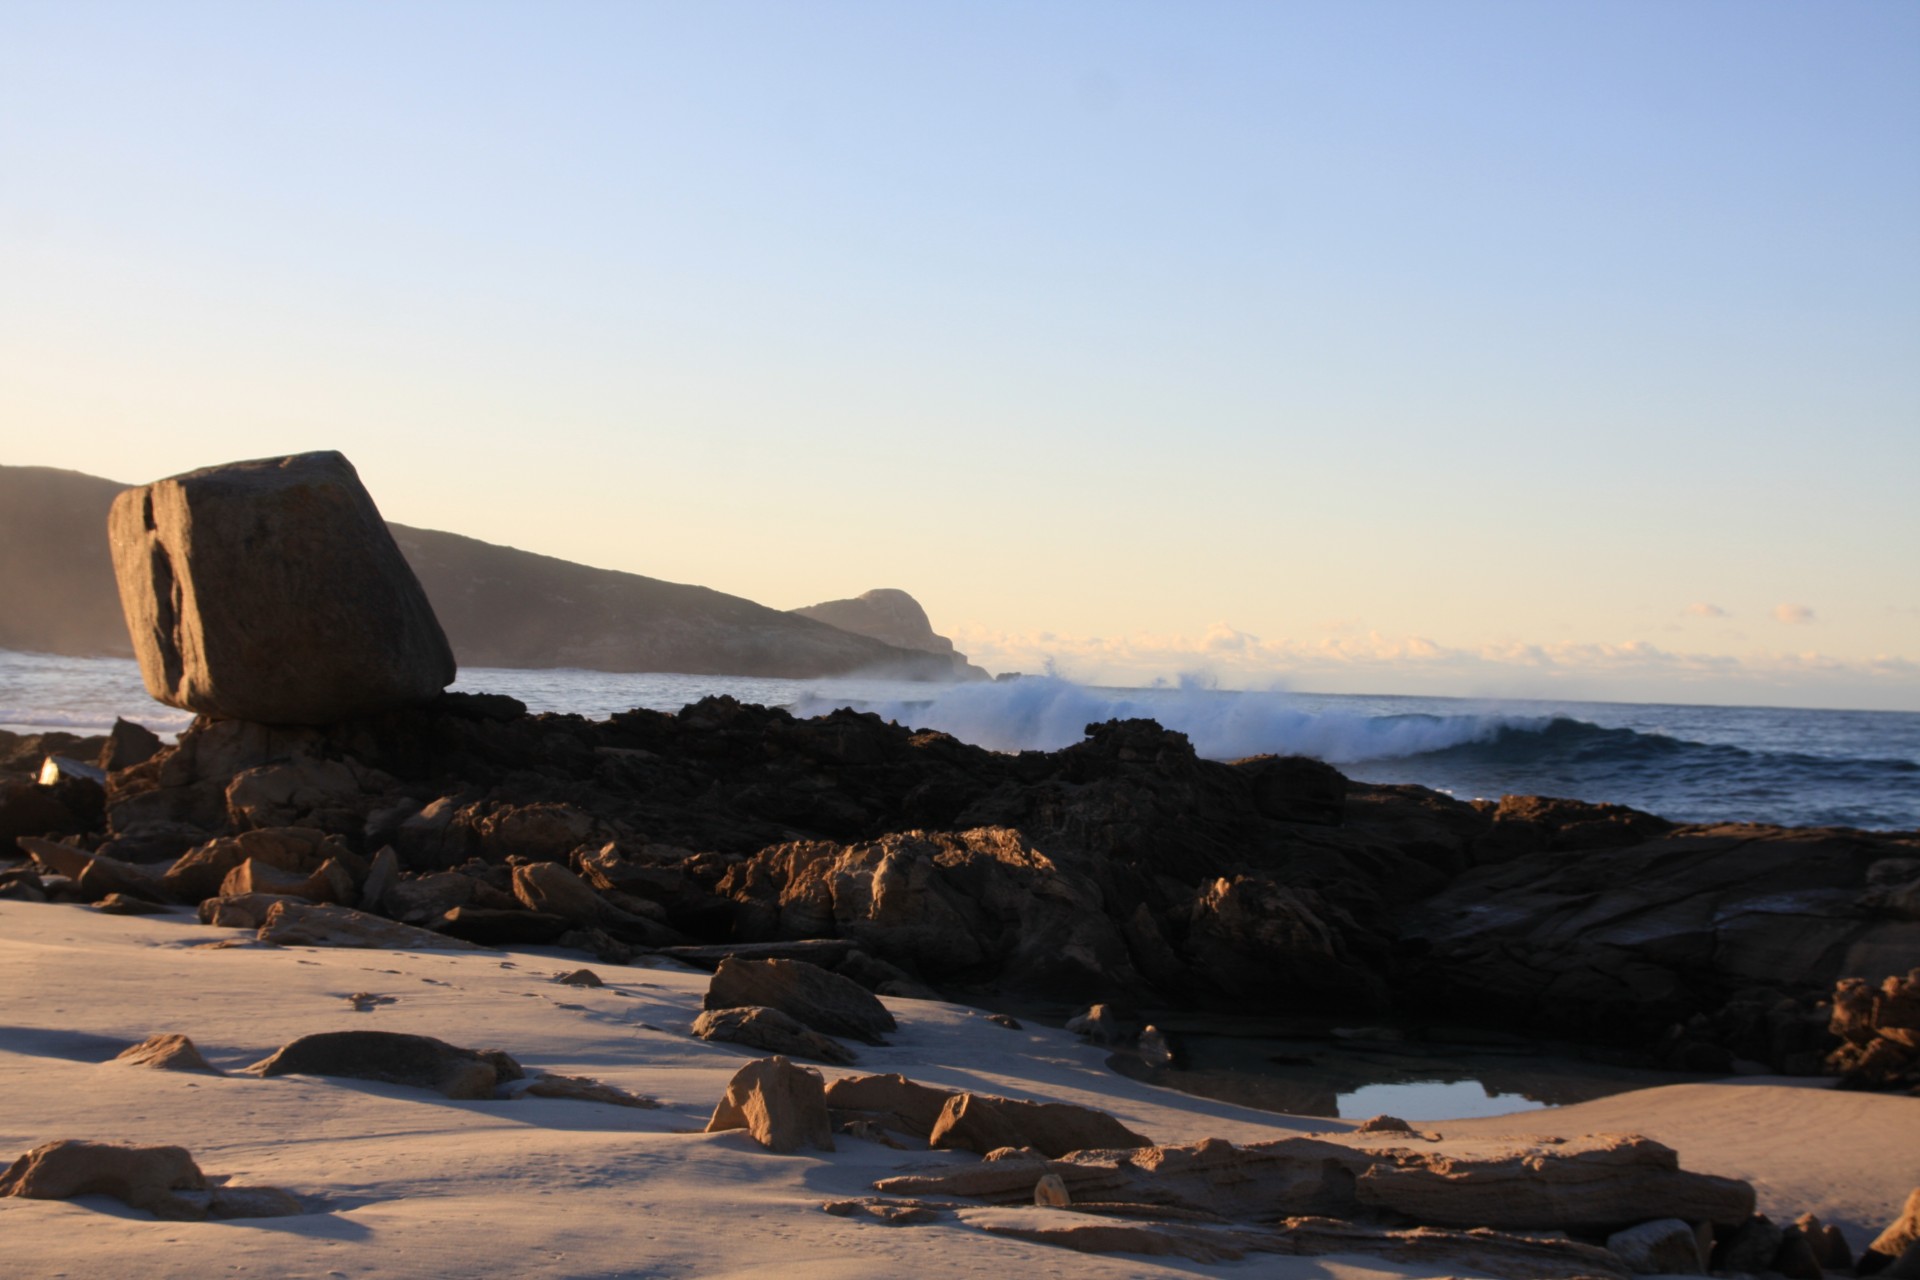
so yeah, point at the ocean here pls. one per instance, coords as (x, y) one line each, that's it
(1688, 763)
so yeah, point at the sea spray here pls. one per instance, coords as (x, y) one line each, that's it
(1045, 713)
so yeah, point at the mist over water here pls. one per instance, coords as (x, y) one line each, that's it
(1688, 763)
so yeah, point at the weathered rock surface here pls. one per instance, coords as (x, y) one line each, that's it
(1597, 1184)
(582, 1089)
(1901, 1238)
(903, 1105)
(1662, 1247)
(980, 1123)
(271, 591)
(772, 1031)
(1879, 1028)
(167, 1051)
(824, 1001)
(291, 923)
(393, 1057)
(1603, 1183)
(783, 1106)
(165, 1181)
(1513, 1257)
(149, 1178)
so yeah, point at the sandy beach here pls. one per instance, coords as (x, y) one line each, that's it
(400, 1182)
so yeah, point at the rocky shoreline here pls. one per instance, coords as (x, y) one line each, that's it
(1122, 870)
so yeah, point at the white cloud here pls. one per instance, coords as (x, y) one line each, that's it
(1375, 663)
(1793, 614)
(1701, 609)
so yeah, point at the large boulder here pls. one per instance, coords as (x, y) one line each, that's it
(271, 591)
(824, 1001)
(772, 1031)
(782, 1106)
(393, 1057)
(980, 1123)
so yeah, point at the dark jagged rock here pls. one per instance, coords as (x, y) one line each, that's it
(1123, 868)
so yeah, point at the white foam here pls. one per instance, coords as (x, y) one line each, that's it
(1045, 713)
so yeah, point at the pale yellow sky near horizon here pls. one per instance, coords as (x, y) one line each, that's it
(1571, 352)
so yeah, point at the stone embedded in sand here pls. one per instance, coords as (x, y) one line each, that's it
(142, 1177)
(580, 1088)
(1384, 1124)
(903, 1105)
(1608, 1182)
(889, 1213)
(272, 591)
(1662, 1247)
(579, 978)
(1050, 1192)
(782, 1106)
(980, 1123)
(296, 924)
(167, 1051)
(121, 904)
(824, 1001)
(392, 1057)
(771, 1030)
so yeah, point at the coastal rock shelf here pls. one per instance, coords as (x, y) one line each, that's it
(1122, 868)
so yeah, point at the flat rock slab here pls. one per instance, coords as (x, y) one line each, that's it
(290, 923)
(824, 1001)
(393, 1057)
(272, 591)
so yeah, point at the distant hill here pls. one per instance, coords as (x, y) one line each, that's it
(56, 576)
(891, 616)
(500, 607)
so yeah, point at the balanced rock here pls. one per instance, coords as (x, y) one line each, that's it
(782, 1106)
(772, 1031)
(272, 591)
(824, 1001)
(393, 1057)
(977, 1122)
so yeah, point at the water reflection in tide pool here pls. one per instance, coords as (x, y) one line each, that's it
(1412, 1080)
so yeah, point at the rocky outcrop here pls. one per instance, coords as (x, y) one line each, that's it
(893, 617)
(1879, 1029)
(270, 591)
(1597, 1184)
(391, 1057)
(783, 1107)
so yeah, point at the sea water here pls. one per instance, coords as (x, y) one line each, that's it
(1688, 763)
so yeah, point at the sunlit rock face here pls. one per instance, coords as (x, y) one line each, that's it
(271, 591)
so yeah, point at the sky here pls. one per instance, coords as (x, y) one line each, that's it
(1462, 348)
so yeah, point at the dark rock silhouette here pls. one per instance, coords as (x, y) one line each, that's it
(893, 617)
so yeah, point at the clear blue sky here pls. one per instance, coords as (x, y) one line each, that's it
(1469, 348)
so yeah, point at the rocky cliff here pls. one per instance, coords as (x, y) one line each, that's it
(891, 616)
(500, 607)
